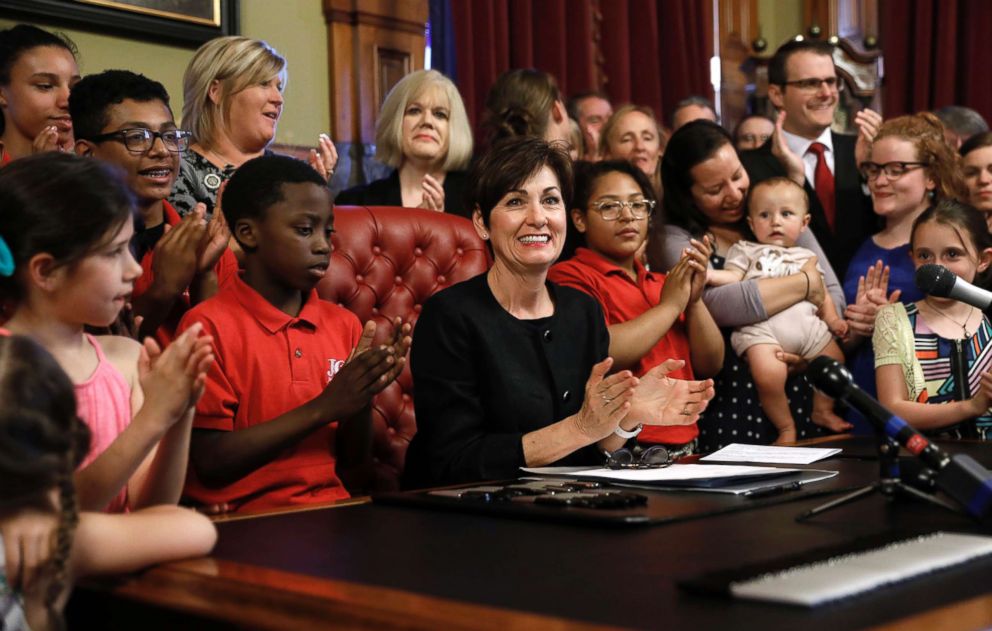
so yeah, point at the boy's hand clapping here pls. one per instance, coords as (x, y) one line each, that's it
(367, 372)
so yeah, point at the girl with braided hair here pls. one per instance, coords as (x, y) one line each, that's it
(44, 542)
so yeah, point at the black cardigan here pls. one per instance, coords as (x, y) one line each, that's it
(386, 192)
(482, 379)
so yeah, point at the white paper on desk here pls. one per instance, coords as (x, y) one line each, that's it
(736, 452)
(673, 473)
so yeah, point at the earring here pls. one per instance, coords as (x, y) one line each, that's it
(485, 235)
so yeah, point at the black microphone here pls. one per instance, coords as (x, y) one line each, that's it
(960, 476)
(937, 280)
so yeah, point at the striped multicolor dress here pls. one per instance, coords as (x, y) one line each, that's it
(942, 360)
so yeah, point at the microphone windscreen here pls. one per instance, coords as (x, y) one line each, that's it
(935, 280)
(829, 376)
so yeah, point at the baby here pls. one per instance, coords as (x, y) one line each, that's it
(778, 212)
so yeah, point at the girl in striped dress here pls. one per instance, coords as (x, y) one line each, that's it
(939, 350)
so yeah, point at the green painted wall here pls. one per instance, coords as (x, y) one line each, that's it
(780, 20)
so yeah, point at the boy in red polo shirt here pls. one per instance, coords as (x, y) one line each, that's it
(124, 118)
(286, 414)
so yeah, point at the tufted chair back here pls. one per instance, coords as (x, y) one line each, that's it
(387, 261)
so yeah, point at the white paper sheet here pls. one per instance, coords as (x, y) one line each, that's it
(675, 472)
(769, 454)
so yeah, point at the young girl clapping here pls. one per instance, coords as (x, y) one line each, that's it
(41, 442)
(937, 350)
(65, 264)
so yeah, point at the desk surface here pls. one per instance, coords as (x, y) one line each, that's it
(376, 566)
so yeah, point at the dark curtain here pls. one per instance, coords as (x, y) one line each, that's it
(650, 52)
(935, 53)
(442, 39)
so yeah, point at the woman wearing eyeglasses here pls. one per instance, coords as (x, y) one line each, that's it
(910, 167)
(511, 370)
(232, 101)
(652, 317)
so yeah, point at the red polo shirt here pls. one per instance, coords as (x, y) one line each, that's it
(623, 299)
(269, 363)
(226, 269)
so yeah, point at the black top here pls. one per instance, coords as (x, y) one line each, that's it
(386, 192)
(854, 220)
(482, 379)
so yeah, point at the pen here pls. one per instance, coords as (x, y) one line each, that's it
(768, 491)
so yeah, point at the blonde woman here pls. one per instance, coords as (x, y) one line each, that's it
(634, 134)
(232, 93)
(423, 133)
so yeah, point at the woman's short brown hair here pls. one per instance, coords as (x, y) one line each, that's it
(509, 163)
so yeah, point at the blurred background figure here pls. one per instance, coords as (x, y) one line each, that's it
(590, 110)
(960, 124)
(753, 131)
(693, 108)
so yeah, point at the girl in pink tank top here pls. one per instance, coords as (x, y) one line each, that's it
(65, 264)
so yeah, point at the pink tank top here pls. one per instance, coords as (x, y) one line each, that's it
(104, 404)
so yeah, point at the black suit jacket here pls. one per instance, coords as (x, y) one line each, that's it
(386, 192)
(854, 221)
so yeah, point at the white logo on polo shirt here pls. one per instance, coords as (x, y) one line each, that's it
(333, 366)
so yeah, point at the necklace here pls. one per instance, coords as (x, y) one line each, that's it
(964, 326)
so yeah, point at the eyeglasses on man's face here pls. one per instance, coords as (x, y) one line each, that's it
(140, 140)
(611, 209)
(892, 170)
(813, 84)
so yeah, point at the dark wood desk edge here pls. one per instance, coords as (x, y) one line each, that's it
(262, 598)
(974, 613)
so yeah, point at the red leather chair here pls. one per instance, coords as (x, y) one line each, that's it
(387, 261)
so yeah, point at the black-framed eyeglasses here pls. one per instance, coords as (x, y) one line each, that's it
(611, 209)
(654, 457)
(813, 84)
(140, 140)
(892, 170)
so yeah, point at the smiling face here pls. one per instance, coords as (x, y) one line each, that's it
(38, 94)
(906, 195)
(807, 112)
(777, 214)
(150, 174)
(94, 290)
(425, 127)
(635, 139)
(618, 240)
(978, 176)
(719, 187)
(253, 114)
(527, 225)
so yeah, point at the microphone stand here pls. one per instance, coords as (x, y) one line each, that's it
(889, 484)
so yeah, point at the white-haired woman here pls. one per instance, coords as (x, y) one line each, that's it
(423, 133)
(232, 93)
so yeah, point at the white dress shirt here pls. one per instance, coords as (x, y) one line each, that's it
(800, 146)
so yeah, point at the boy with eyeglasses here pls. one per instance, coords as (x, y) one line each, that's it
(778, 212)
(124, 118)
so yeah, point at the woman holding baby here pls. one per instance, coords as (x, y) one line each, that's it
(705, 192)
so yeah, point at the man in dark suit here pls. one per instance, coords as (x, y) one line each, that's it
(803, 83)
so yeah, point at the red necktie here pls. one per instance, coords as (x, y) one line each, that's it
(823, 181)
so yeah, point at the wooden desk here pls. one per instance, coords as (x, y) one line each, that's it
(372, 566)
